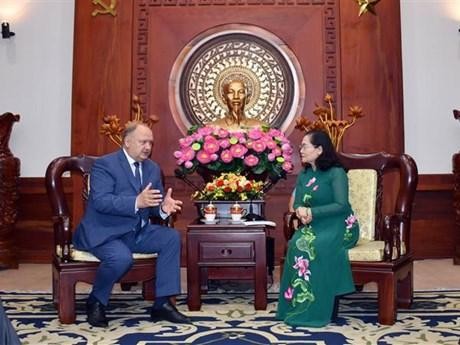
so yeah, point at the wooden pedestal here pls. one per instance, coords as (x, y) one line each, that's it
(9, 176)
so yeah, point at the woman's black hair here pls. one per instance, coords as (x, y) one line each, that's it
(328, 158)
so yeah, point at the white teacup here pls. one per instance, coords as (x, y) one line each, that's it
(210, 217)
(236, 217)
(237, 212)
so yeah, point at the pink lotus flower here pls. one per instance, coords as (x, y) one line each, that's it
(238, 150)
(350, 221)
(188, 154)
(287, 166)
(206, 130)
(211, 146)
(197, 136)
(271, 144)
(224, 143)
(276, 151)
(222, 133)
(185, 142)
(203, 157)
(226, 156)
(301, 265)
(289, 293)
(251, 161)
(255, 133)
(273, 132)
(259, 146)
(287, 148)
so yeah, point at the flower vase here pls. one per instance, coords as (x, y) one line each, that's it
(9, 177)
(207, 175)
(256, 177)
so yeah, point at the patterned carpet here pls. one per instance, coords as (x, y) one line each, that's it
(231, 319)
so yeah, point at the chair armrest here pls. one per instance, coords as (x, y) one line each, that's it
(290, 224)
(392, 235)
(63, 235)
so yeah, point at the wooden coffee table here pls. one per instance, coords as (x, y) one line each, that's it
(224, 246)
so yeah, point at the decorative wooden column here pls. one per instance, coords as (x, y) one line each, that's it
(9, 176)
(456, 171)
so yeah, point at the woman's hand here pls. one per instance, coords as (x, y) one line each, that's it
(304, 214)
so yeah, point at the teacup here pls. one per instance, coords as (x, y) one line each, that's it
(209, 212)
(210, 217)
(237, 212)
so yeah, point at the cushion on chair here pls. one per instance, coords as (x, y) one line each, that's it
(371, 251)
(362, 192)
(367, 251)
(80, 255)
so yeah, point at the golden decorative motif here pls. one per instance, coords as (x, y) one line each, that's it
(113, 128)
(366, 6)
(327, 121)
(268, 68)
(105, 8)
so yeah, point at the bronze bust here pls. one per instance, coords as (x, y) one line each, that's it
(235, 96)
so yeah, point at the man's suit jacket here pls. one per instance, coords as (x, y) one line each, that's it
(110, 211)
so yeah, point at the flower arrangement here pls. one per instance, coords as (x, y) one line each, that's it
(231, 186)
(259, 151)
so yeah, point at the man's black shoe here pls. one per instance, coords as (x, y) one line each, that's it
(95, 312)
(169, 313)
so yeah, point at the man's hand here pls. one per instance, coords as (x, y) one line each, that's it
(304, 214)
(149, 197)
(169, 204)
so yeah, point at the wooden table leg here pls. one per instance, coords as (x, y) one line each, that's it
(260, 273)
(193, 275)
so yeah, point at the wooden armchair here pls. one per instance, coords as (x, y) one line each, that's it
(70, 265)
(383, 254)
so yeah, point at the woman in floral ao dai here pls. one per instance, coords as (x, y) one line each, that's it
(317, 270)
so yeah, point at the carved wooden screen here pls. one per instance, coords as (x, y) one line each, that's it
(163, 28)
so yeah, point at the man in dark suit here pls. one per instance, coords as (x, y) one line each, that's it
(125, 190)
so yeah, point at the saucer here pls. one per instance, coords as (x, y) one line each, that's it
(241, 221)
(204, 220)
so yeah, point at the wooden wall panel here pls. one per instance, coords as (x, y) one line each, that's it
(101, 74)
(371, 67)
(434, 233)
(314, 42)
(34, 228)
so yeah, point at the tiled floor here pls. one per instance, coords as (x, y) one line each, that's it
(429, 275)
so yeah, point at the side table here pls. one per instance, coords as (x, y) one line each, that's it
(226, 245)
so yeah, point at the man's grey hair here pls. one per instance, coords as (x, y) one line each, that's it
(131, 127)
